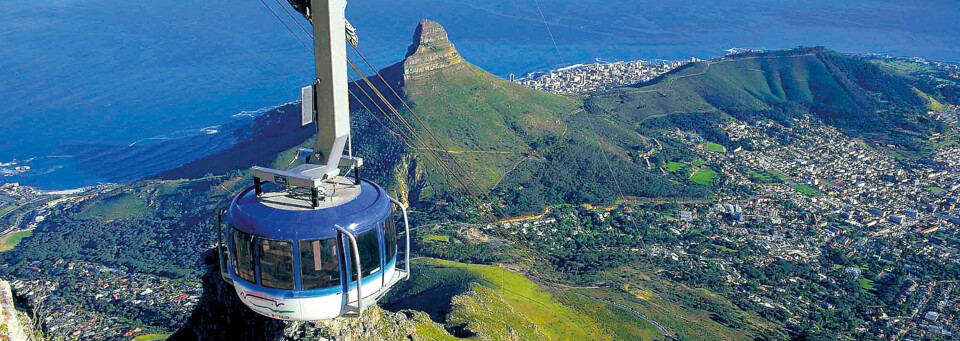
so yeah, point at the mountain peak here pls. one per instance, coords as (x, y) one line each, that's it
(431, 50)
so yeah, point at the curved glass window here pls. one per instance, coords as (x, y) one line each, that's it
(243, 263)
(369, 244)
(276, 264)
(390, 237)
(319, 264)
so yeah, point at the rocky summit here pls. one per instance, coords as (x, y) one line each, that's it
(431, 50)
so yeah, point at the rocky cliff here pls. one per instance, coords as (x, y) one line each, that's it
(431, 50)
(11, 327)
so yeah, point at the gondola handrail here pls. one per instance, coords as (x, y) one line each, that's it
(221, 254)
(406, 229)
(223, 265)
(356, 255)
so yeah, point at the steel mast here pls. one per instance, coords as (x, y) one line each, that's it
(326, 102)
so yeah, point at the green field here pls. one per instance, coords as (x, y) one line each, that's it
(675, 166)
(10, 241)
(779, 175)
(151, 337)
(866, 284)
(762, 177)
(936, 190)
(715, 147)
(807, 190)
(437, 238)
(723, 248)
(703, 176)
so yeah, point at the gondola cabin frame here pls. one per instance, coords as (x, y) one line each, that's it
(290, 261)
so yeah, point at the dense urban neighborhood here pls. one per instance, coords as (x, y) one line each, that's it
(803, 197)
(583, 79)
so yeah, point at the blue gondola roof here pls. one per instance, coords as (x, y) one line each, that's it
(362, 213)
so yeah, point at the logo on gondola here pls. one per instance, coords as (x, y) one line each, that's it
(274, 303)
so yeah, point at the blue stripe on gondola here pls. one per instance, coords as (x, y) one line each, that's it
(282, 294)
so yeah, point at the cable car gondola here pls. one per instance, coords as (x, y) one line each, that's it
(309, 243)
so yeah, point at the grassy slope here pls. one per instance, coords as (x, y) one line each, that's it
(549, 146)
(749, 84)
(856, 96)
(497, 304)
(10, 241)
(619, 323)
(140, 200)
(472, 110)
(690, 313)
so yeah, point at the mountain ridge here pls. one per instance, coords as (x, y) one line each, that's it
(855, 95)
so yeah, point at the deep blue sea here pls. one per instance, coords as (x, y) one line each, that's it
(119, 72)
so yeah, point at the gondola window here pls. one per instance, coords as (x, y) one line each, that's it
(319, 264)
(276, 264)
(244, 265)
(390, 236)
(369, 247)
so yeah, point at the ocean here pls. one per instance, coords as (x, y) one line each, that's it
(112, 73)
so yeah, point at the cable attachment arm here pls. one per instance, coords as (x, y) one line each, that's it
(304, 7)
(352, 37)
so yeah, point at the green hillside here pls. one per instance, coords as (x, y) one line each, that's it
(855, 95)
(492, 303)
(486, 122)
(530, 149)
(489, 303)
